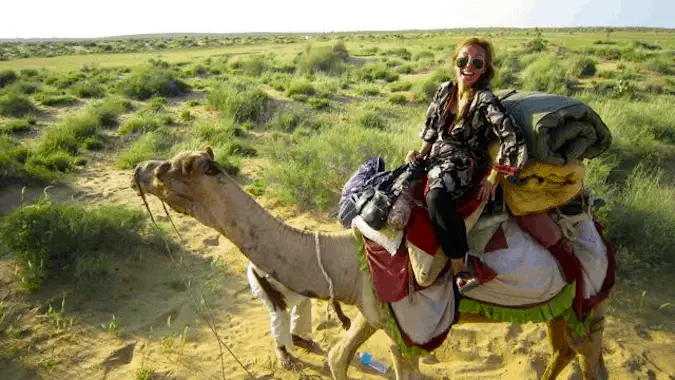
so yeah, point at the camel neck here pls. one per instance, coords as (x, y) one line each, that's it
(286, 253)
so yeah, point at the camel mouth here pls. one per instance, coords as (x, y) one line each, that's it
(139, 178)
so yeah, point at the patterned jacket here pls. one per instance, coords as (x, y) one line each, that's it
(486, 121)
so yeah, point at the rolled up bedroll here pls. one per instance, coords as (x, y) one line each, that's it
(558, 128)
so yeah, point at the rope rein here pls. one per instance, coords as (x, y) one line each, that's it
(331, 292)
(210, 321)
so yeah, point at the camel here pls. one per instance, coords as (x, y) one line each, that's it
(320, 265)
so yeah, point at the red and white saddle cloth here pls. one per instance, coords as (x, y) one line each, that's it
(520, 262)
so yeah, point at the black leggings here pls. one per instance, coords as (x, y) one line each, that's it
(447, 222)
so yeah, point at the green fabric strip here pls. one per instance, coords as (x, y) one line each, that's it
(558, 306)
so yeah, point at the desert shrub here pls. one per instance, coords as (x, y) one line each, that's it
(640, 200)
(400, 86)
(147, 82)
(426, 89)
(583, 67)
(241, 101)
(424, 54)
(150, 145)
(401, 52)
(29, 73)
(367, 90)
(397, 99)
(217, 133)
(318, 103)
(661, 66)
(545, 74)
(406, 69)
(15, 164)
(7, 77)
(69, 135)
(288, 118)
(301, 86)
(25, 87)
(254, 66)
(14, 104)
(16, 126)
(645, 45)
(310, 171)
(142, 124)
(52, 240)
(88, 89)
(55, 99)
(329, 60)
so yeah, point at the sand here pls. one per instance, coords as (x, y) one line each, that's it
(157, 325)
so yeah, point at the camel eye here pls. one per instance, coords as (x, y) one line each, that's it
(163, 168)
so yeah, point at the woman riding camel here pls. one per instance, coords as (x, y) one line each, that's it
(463, 118)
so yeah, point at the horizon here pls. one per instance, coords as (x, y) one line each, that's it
(77, 19)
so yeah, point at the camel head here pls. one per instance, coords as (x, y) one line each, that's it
(180, 181)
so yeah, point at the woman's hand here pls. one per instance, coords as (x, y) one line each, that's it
(488, 188)
(412, 157)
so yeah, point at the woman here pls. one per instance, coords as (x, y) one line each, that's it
(463, 118)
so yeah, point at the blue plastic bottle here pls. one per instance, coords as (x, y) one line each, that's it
(367, 359)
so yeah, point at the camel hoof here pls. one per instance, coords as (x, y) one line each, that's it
(430, 359)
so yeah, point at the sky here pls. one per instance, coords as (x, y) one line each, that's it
(91, 18)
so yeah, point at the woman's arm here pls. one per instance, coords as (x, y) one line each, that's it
(512, 153)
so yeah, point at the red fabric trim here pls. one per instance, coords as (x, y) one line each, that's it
(482, 272)
(389, 273)
(571, 267)
(506, 169)
(420, 232)
(497, 241)
(541, 227)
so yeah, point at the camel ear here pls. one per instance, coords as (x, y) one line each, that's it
(186, 167)
(209, 151)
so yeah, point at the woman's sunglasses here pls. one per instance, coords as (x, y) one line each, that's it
(476, 62)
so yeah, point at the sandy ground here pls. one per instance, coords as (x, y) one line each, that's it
(157, 326)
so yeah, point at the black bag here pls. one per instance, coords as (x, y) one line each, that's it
(375, 202)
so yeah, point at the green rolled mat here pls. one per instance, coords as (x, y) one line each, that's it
(558, 128)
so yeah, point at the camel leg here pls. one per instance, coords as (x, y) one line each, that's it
(405, 369)
(562, 352)
(342, 353)
(590, 351)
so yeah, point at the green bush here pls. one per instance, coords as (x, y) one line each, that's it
(16, 164)
(240, 101)
(545, 74)
(310, 170)
(16, 105)
(301, 86)
(288, 118)
(7, 77)
(153, 144)
(69, 135)
(17, 126)
(142, 124)
(53, 240)
(88, 90)
(52, 100)
(330, 60)
(397, 99)
(152, 81)
(583, 67)
(400, 86)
